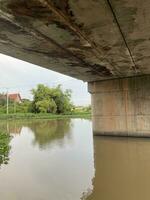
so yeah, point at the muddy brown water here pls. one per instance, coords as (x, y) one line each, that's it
(60, 160)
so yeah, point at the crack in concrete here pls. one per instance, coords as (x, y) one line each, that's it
(135, 68)
(77, 31)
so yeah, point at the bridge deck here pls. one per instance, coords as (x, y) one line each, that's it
(87, 39)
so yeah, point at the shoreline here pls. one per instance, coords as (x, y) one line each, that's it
(20, 116)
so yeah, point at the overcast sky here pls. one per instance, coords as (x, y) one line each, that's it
(20, 76)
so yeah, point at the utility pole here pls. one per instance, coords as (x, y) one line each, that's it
(7, 100)
(14, 107)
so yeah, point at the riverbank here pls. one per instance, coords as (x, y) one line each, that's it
(43, 116)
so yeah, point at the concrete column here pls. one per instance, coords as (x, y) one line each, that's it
(121, 106)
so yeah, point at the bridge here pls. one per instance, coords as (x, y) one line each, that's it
(103, 42)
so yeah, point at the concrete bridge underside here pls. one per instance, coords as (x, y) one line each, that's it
(103, 42)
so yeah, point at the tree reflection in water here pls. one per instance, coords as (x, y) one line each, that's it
(58, 157)
(4, 148)
(45, 131)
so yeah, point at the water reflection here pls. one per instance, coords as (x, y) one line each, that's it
(54, 160)
(122, 169)
(48, 160)
(54, 130)
(12, 127)
(45, 131)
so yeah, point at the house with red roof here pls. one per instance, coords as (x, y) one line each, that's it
(15, 97)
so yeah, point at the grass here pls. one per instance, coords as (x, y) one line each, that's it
(4, 148)
(44, 116)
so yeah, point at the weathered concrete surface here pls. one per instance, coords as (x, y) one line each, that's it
(121, 106)
(87, 39)
(91, 40)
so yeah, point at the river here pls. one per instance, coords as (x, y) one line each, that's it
(60, 160)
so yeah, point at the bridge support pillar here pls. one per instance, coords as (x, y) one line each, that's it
(121, 106)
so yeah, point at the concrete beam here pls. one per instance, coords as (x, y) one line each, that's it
(86, 39)
(121, 107)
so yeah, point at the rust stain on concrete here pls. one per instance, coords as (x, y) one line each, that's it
(84, 35)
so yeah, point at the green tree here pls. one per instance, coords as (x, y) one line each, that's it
(62, 100)
(46, 106)
(51, 100)
(24, 107)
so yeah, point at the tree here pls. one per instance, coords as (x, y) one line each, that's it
(46, 106)
(62, 100)
(51, 100)
(24, 107)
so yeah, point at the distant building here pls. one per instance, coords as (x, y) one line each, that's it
(15, 97)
